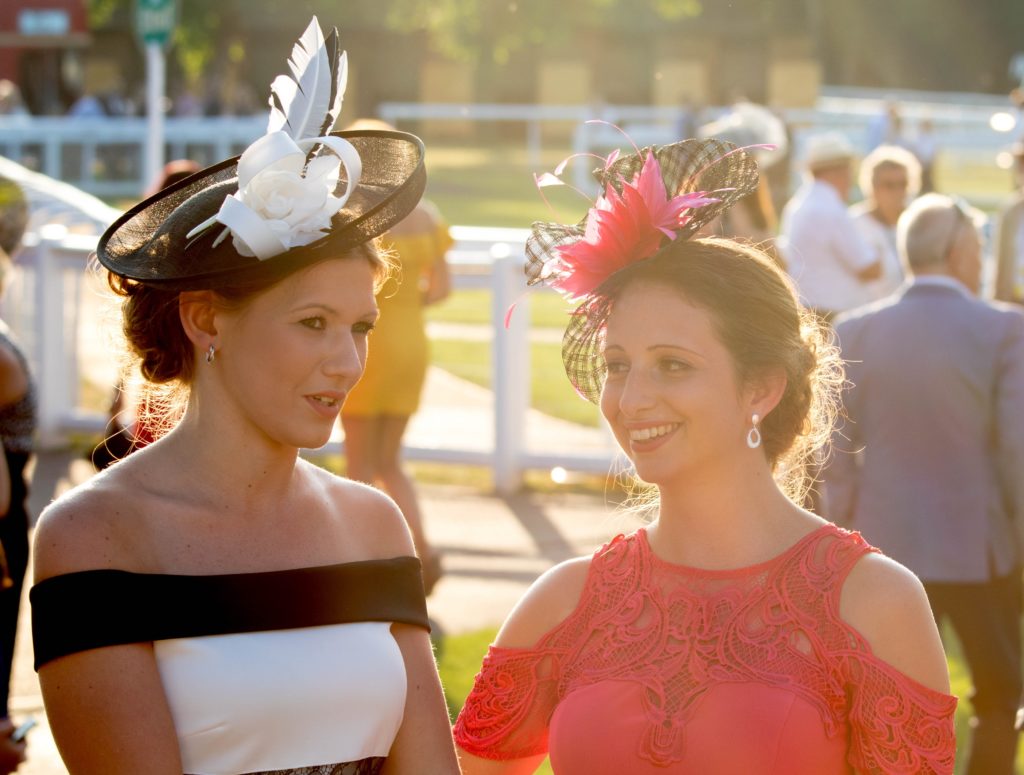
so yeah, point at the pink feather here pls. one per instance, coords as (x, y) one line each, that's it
(624, 228)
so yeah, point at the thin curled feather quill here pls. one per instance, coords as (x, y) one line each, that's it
(307, 102)
(339, 80)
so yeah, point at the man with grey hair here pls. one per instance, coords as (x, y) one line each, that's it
(928, 465)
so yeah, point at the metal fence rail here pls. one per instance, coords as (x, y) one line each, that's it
(104, 156)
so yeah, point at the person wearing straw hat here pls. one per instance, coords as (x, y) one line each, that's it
(737, 632)
(824, 252)
(213, 603)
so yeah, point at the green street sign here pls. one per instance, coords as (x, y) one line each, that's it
(155, 19)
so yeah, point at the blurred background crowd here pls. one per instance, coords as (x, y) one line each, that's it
(861, 108)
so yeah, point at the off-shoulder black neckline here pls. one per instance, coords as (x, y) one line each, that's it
(95, 608)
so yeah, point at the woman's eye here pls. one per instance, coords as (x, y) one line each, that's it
(674, 365)
(362, 328)
(616, 367)
(316, 323)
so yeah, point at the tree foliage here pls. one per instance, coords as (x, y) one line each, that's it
(887, 43)
(481, 30)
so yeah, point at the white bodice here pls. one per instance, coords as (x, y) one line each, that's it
(284, 698)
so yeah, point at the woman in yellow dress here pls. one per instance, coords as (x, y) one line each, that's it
(377, 411)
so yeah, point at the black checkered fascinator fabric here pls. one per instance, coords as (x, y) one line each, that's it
(149, 242)
(711, 165)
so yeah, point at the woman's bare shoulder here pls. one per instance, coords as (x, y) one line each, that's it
(887, 604)
(548, 602)
(87, 527)
(370, 516)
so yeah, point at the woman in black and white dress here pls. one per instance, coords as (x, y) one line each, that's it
(214, 604)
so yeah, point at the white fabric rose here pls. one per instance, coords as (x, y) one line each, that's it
(297, 208)
(282, 202)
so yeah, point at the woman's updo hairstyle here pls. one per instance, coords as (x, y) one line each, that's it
(152, 326)
(759, 319)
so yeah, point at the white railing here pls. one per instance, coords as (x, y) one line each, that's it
(962, 123)
(104, 155)
(55, 306)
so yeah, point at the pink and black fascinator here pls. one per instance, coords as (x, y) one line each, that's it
(649, 200)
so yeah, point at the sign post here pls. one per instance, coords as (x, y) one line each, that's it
(154, 23)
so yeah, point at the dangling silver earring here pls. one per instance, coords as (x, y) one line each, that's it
(754, 434)
(211, 354)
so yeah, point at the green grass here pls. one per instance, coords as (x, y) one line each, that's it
(550, 391)
(960, 685)
(473, 306)
(491, 184)
(462, 655)
(488, 182)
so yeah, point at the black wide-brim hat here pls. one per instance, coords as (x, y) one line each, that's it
(149, 243)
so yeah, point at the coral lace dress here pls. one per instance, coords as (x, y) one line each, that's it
(663, 668)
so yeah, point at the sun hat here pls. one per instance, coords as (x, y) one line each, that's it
(297, 195)
(828, 149)
(650, 199)
(750, 124)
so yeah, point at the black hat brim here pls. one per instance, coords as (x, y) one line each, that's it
(148, 243)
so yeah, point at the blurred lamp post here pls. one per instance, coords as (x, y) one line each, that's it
(154, 23)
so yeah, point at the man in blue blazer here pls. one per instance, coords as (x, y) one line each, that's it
(929, 465)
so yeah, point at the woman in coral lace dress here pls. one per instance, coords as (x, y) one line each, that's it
(737, 632)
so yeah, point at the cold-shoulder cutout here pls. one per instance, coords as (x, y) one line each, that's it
(551, 599)
(886, 604)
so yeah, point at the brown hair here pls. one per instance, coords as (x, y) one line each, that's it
(152, 326)
(759, 319)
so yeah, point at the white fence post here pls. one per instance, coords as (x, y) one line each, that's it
(510, 368)
(54, 378)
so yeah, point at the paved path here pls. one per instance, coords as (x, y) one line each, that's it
(493, 547)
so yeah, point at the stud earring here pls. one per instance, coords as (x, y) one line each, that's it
(211, 354)
(754, 434)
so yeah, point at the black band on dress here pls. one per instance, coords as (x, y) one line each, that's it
(96, 608)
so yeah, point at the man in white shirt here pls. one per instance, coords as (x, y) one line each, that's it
(824, 251)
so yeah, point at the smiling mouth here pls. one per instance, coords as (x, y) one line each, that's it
(646, 434)
(326, 401)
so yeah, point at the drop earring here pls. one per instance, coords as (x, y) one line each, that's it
(211, 354)
(754, 434)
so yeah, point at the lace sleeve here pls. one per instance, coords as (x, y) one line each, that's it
(898, 725)
(506, 715)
